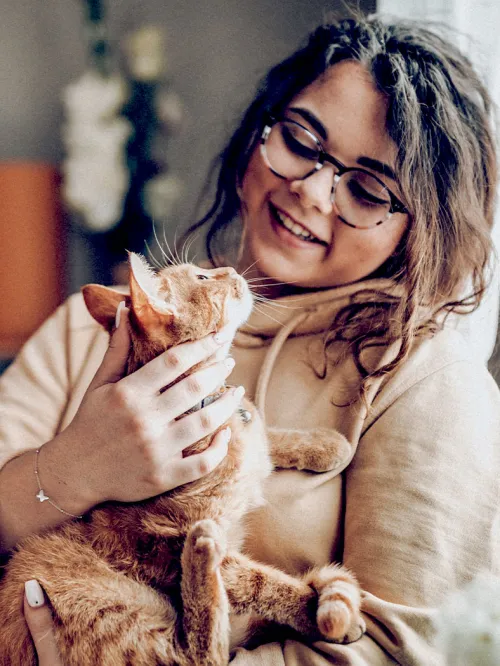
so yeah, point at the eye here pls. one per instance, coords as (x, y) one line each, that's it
(203, 277)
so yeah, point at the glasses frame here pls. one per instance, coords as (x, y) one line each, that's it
(396, 206)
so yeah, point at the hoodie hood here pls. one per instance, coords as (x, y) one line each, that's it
(271, 324)
(312, 311)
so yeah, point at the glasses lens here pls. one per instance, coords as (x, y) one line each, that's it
(292, 151)
(361, 199)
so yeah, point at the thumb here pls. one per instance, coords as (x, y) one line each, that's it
(39, 620)
(114, 362)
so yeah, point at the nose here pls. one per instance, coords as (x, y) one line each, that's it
(227, 271)
(315, 191)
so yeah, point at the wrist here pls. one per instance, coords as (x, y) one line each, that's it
(62, 476)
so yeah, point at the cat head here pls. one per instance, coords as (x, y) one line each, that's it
(176, 304)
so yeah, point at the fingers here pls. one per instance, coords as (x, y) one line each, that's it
(167, 367)
(193, 427)
(196, 466)
(39, 620)
(192, 389)
(114, 362)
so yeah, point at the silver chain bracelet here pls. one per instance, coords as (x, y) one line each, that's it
(42, 497)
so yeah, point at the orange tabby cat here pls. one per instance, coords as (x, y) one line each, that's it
(154, 582)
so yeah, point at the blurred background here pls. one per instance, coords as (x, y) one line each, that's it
(111, 112)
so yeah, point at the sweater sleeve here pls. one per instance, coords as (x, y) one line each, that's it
(34, 389)
(422, 518)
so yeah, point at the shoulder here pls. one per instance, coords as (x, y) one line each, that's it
(444, 366)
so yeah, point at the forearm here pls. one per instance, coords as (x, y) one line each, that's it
(21, 512)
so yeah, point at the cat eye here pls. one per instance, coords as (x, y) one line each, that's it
(203, 277)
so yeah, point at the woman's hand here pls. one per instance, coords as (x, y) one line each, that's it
(124, 442)
(39, 621)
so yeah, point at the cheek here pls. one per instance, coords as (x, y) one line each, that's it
(367, 250)
(257, 183)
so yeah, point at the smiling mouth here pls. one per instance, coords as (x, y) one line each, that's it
(294, 228)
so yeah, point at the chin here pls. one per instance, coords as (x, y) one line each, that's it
(245, 307)
(239, 310)
(281, 269)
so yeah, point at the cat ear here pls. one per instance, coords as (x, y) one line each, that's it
(147, 303)
(102, 303)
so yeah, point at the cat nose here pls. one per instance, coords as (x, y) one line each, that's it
(229, 272)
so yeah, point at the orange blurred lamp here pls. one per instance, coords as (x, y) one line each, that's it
(32, 250)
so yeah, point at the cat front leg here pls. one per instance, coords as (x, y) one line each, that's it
(316, 450)
(204, 599)
(323, 604)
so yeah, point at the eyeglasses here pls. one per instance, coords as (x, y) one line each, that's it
(292, 152)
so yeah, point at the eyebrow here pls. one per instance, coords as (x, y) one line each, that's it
(312, 120)
(376, 165)
(368, 162)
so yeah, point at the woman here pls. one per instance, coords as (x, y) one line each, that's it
(359, 188)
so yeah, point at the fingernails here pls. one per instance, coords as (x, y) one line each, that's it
(119, 309)
(34, 593)
(239, 392)
(229, 362)
(223, 336)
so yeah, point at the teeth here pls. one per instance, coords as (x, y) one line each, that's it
(296, 229)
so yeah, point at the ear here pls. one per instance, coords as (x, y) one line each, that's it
(147, 304)
(102, 303)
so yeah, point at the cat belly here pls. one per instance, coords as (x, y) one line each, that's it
(239, 630)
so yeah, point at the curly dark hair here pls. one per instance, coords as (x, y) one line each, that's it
(439, 116)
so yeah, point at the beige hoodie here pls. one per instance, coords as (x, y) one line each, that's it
(415, 513)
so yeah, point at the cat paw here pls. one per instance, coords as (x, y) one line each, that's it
(338, 614)
(338, 626)
(207, 542)
(330, 451)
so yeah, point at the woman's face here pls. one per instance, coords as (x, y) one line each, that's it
(352, 113)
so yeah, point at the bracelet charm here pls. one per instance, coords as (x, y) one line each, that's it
(42, 497)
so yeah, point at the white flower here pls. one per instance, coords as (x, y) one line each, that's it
(94, 96)
(97, 137)
(169, 109)
(468, 625)
(96, 189)
(145, 53)
(161, 193)
(96, 176)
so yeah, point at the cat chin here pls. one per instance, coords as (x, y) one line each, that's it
(242, 310)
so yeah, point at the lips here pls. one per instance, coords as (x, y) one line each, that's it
(296, 228)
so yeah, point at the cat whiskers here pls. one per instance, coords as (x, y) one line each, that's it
(248, 268)
(172, 259)
(186, 247)
(270, 303)
(169, 260)
(152, 255)
(259, 297)
(152, 258)
(266, 314)
(176, 249)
